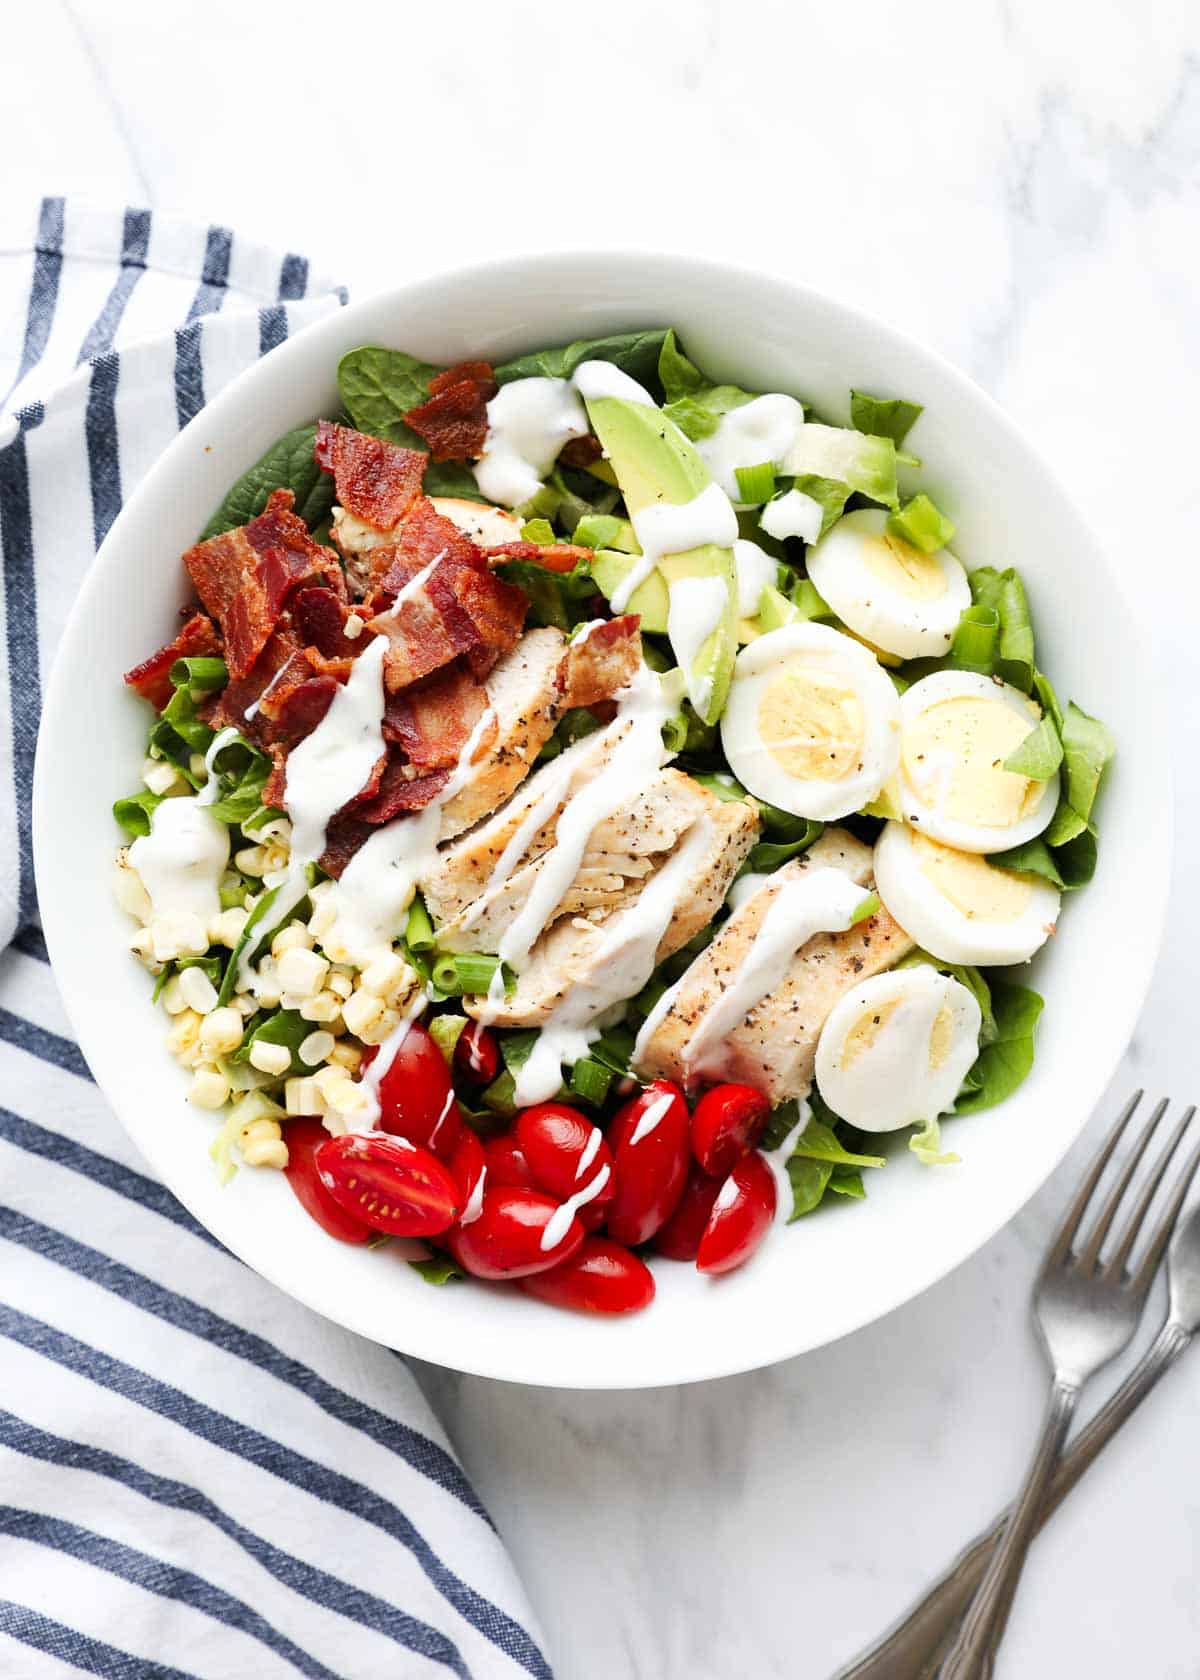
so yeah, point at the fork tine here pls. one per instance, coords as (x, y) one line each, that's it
(1061, 1245)
(1144, 1275)
(1134, 1223)
(1090, 1253)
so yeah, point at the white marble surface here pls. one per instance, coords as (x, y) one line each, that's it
(1018, 183)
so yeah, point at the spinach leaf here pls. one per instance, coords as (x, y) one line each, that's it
(1004, 593)
(699, 413)
(1033, 858)
(1003, 1064)
(677, 375)
(769, 855)
(1088, 747)
(809, 1180)
(438, 1269)
(286, 1027)
(287, 465)
(819, 1142)
(1039, 754)
(635, 353)
(378, 387)
(890, 417)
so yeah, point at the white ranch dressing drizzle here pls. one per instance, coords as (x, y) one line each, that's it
(672, 528)
(637, 754)
(793, 515)
(762, 430)
(208, 793)
(819, 901)
(590, 1150)
(777, 1159)
(415, 584)
(442, 1117)
(252, 710)
(623, 962)
(648, 1121)
(695, 609)
(181, 861)
(559, 1222)
(653, 1021)
(529, 421)
(755, 571)
(474, 1206)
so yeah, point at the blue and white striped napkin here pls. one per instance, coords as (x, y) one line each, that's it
(198, 1477)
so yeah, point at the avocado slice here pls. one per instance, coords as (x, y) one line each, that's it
(655, 463)
(649, 600)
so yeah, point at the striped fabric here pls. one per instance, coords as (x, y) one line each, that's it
(197, 1476)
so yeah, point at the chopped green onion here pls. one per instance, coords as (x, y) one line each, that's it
(468, 972)
(590, 1080)
(199, 673)
(922, 524)
(756, 484)
(974, 644)
(418, 933)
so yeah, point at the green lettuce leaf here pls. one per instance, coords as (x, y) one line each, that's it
(678, 376)
(635, 353)
(889, 417)
(831, 493)
(135, 811)
(1039, 754)
(699, 413)
(1004, 1062)
(1088, 748)
(926, 1145)
(438, 1269)
(1004, 593)
(1033, 858)
(287, 465)
(378, 387)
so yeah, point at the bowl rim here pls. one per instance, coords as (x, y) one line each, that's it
(695, 1364)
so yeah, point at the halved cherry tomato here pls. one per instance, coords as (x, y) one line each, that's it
(506, 1163)
(727, 1123)
(679, 1238)
(741, 1216)
(416, 1098)
(566, 1153)
(303, 1136)
(390, 1184)
(476, 1055)
(600, 1277)
(505, 1241)
(467, 1164)
(650, 1162)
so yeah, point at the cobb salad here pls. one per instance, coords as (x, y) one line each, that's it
(587, 805)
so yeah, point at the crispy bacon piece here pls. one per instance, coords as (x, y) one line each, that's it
(552, 557)
(320, 618)
(454, 420)
(603, 662)
(433, 721)
(245, 576)
(397, 793)
(581, 451)
(228, 708)
(302, 707)
(458, 608)
(152, 678)
(376, 481)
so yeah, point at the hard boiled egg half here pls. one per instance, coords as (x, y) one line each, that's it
(812, 723)
(895, 1049)
(896, 597)
(956, 730)
(957, 905)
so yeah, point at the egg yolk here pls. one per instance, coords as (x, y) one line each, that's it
(903, 569)
(970, 883)
(865, 1032)
(941, 1037)
(954, 755)
(812, 724)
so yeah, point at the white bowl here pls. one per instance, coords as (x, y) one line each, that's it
(839, 1268)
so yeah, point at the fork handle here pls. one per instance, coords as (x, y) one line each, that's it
(910, 1651)
(970, 1655)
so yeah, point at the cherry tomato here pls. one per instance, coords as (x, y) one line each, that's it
(467, 1164)
(416, 1098)
(390, 1184)
(476, 1055)
(727, 1122)
(506, 1163)
(679, 1238)
(650, 1162)
(303, 1136)
(505, 1241)
(566, 1153)
(600, 1277)
(741, 1217)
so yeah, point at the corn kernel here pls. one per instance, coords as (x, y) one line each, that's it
(162, 778)
(184, 1033)
(346, 1055)
(322, 919)
(266, 1152)
(178, 934)
(171, 997)
(198, 991)
(209, 1087)
(128, 890)
(316, 1047)
(270, 1058)
(353, 627)
(245, 1004)
(227, 928)
(302, 1095)
(302, 971)
(293, 937)
(387, 975)
(341, 985)
(197, 765)
(141, 943)
(325, 1009)
(221, 1031)
(251, 860)
(278, 830)
(383, 1028)
(275, 857)
(361, 1012)
(340, 1092)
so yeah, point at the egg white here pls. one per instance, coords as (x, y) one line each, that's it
(833, 656)
(890, 1082)
(944, 928)
(890, 618)
(922, 803)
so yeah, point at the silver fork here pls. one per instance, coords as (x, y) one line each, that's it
(1087, 1309)
(911, 1650)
